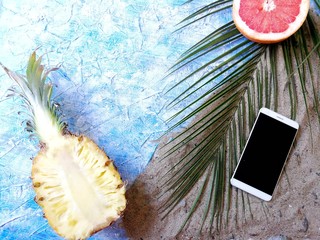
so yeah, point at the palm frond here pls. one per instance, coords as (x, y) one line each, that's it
(206, 11)
(220, 107)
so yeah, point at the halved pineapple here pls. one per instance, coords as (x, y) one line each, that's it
(76, 184)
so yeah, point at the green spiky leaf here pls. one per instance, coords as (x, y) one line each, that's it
(225, 99)
(37, 95)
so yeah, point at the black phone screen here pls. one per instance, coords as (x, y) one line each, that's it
(265, 153)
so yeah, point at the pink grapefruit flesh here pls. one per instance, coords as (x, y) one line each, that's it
(269, 21)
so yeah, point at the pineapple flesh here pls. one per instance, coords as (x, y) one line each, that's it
(76, 184)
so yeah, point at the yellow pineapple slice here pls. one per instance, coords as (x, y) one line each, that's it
(76, 184)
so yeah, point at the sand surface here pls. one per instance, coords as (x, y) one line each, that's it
(294, 212)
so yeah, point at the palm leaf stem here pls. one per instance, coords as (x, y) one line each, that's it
(302, 77)
(273, 73)
(208, 207)
(306, 59)
(190, 173)
(208, 204)
(220, 184)
(232, 144)
(286, 46)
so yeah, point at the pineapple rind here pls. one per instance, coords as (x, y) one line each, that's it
(78, 187)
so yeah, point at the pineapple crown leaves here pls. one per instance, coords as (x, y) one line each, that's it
(34, 89)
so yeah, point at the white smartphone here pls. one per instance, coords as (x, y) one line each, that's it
(265, 153)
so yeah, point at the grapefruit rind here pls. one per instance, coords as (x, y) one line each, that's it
(269, 37)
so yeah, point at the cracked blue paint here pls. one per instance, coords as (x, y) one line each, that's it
(113, 57)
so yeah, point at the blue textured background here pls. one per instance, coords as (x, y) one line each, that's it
(113, 55)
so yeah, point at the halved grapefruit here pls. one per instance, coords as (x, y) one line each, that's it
(269, 21)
